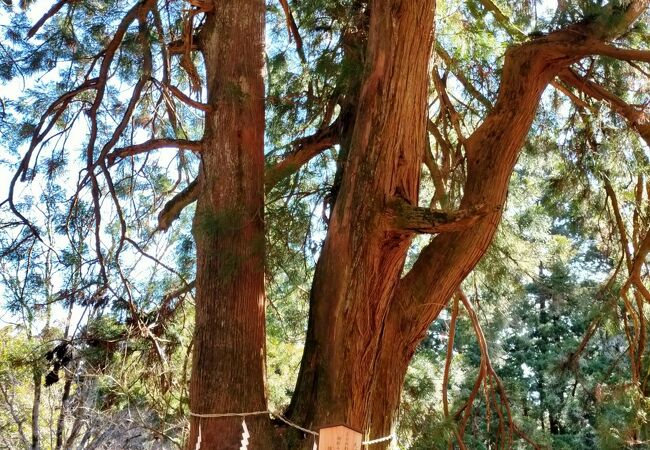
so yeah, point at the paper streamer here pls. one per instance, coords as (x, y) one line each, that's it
(198, 439)
(244, 436)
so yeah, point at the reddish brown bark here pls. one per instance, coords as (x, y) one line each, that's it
(229, 343)
(363, 254)
(491, 151)
(366, 321)
(365, 318)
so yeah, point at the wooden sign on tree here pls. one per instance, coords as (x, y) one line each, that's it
(339, 437)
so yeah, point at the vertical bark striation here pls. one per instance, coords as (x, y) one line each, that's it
(228, 372)
(362, 257)
(492, 152)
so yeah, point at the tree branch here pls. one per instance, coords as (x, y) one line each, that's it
(292, 28)
(607, 29)
(469, 87)
(178, 46)
(187, 99)
(603, 28)
(153, 144)
(173, 208)
(47, 16)
(304, 150)
(407, 217)
(625, 54)
(636, 117)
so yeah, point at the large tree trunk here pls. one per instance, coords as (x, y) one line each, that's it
(228, 366)
(491, 153)
(365, 321)
(363, 254)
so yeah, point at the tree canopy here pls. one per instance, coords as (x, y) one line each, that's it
(425, 220)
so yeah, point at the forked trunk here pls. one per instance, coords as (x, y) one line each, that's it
(363, 254)
(366, 319)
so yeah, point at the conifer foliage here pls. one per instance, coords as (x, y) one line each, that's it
(418, 218)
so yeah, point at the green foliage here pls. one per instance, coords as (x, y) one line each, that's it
(537, 291)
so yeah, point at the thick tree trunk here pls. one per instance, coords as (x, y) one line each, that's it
(366, 322)
(363, 254)
(422, 294)
(491, 152)
(228, 366)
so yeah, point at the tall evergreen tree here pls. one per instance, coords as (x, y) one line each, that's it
(364, 90)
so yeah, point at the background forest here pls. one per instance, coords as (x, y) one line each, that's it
(545, 345)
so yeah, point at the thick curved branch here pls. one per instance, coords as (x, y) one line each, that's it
(304, 150)
(406, 217)
(605, 28)
(173, 208)
(152, 144)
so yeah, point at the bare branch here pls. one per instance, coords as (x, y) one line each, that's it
(173, 208)
(304, 150)
(450, 355)
(293, 29)
(47, 16)
(187, 99)
(153, 144)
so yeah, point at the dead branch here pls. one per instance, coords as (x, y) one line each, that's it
(416, 219)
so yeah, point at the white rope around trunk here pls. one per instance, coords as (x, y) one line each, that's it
(246, 435)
